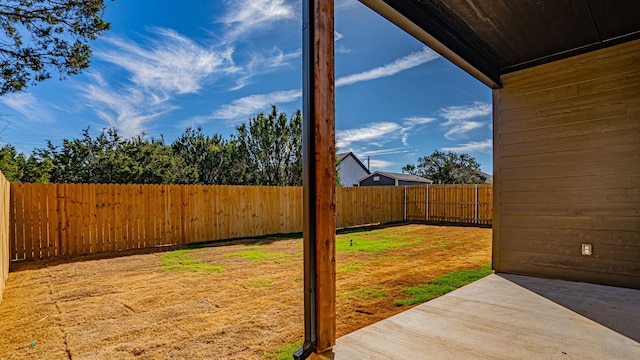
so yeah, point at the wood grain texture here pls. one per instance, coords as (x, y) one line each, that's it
(567, 168)
(323, 94)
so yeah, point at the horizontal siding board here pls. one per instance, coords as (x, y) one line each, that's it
(622, 151)
(599, 236)
(561, 94)
(566, 131)
(576, 222)
(585, 105)
(593, 95)
(585, 168)
(601, 140)
(619, 82)
(590, 182)
(569, 197)
(586, 208)
(525, 122)
(543, 96)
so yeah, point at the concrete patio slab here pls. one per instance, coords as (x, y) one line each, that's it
(508, 317)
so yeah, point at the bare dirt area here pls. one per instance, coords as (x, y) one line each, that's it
(235, 300)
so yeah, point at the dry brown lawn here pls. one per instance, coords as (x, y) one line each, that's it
(244, 302)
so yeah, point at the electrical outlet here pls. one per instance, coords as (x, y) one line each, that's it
(586, 249)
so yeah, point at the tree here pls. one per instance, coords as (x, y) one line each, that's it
(109, 158)
(447, 168)
(267, 151)
(270, 150)
(211, 157)
(37, 170)
(11, 163)
(39, 35)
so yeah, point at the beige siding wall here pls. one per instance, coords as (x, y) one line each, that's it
(567, 168)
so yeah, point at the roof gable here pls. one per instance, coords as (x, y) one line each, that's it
(340, 158)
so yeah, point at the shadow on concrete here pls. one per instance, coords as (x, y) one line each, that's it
(615, 308)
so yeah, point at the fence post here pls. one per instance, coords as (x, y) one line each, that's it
(405, 203)
(476, 204)
(426, 200)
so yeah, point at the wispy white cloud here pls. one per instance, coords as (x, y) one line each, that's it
(459, 119)
(128, 110)
(260, 64)
(412, 60)
(339, 48)
(247, 15)
(374, 134)
(168, 63)
(484, 146)
(410, 123)
(459, 130)
(27, 106)
(239, 109)
(417, 120)
(464, 112)
(383, 152)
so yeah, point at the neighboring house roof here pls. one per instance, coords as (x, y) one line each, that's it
(340, 157)
(400, 177)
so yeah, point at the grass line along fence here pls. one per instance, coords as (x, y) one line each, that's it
(5, 249)
(49, 220)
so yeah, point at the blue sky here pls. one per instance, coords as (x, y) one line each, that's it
(215, 64)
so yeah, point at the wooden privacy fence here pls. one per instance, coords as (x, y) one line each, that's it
(49, 220)
(70, 219)
(471, 204)
(368, 205)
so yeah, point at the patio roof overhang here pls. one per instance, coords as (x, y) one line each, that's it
(489, 38)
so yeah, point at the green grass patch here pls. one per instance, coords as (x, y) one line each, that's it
(257, 255)
(183, 260)
(350, 267)
(375, 292)
(260, 283)
(285, 352)
(373, 241)
(442, 285)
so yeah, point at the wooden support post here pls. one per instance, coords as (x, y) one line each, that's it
(319, 174)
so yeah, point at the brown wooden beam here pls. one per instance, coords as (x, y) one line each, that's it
(319, 177)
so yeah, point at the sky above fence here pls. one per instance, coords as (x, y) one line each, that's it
(168, 65)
